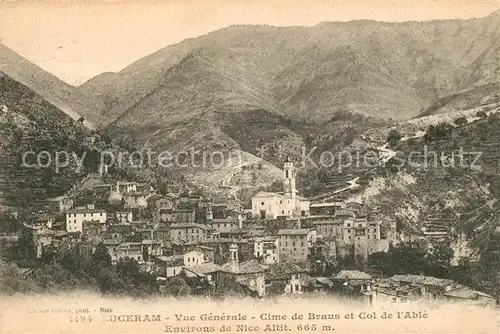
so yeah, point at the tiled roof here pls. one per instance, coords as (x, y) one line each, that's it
(415, 279)
(172, 258)
(231, 230)
(324, 281)
(328, 222)
(344, 213)
(150, 242)
(136, 194)
(352, 275)
(262, 194)
(127, 245)
(101, 185)
(256, 233)
(428, 280)
(248, 267)
(203, 269)
(421, 279)
(298, 231)
(466, 293)
(189, 225)
(87, 211)
(282, 270)
(112, 241)
(264, 238)
(225, 220)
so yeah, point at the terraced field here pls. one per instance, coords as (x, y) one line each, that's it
(29, 123)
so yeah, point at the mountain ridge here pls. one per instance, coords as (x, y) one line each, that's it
(63, 95)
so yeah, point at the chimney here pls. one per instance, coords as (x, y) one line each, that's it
(233, 251)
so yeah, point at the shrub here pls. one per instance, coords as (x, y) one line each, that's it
(394, 137)
(461, 121)
(439, 131)
(481, 114)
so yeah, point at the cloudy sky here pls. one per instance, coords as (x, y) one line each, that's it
(76, 41)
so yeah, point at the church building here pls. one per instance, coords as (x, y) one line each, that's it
(286, 204)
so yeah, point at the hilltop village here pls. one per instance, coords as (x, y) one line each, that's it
(282, 244)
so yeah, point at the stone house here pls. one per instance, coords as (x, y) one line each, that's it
(250, 274)
(285, 278)
(294, 244)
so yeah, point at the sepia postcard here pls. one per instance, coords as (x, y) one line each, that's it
(250, 166)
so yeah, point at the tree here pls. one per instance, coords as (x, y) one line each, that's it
(128, 270)
(134, 237)
(69, 260)
(101, 255)
(228, 287)
(99, 259)
(52, 277)
(276, 186)
(92, 160)
(48, 255)
(377, 259)
(176, 287)
(107, 140)
(23, 249)
(439, 131)
(481, 114)
(394, 137)
(11, 281)
(8, 222)
(438, 261)
(404, 259)
(109, 282)
(460, 121)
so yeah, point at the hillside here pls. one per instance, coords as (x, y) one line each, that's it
(30, 123)
(67, 98)
(293, 88)
(310, 73)
(485, 97)
(444, 187)
(283, 90)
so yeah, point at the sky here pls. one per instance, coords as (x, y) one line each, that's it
(76, 41)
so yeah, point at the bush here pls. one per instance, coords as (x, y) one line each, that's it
(442, 130)
(460, 121)
(481, 114)
(394, 137)
(177, 287)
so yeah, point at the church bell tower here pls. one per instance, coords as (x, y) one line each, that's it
(289, 181)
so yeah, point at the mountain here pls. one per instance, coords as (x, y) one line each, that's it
(66, 97)
(310, 73)
(28, 123)
(297, 87)
(484, 97)
(285, 89)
